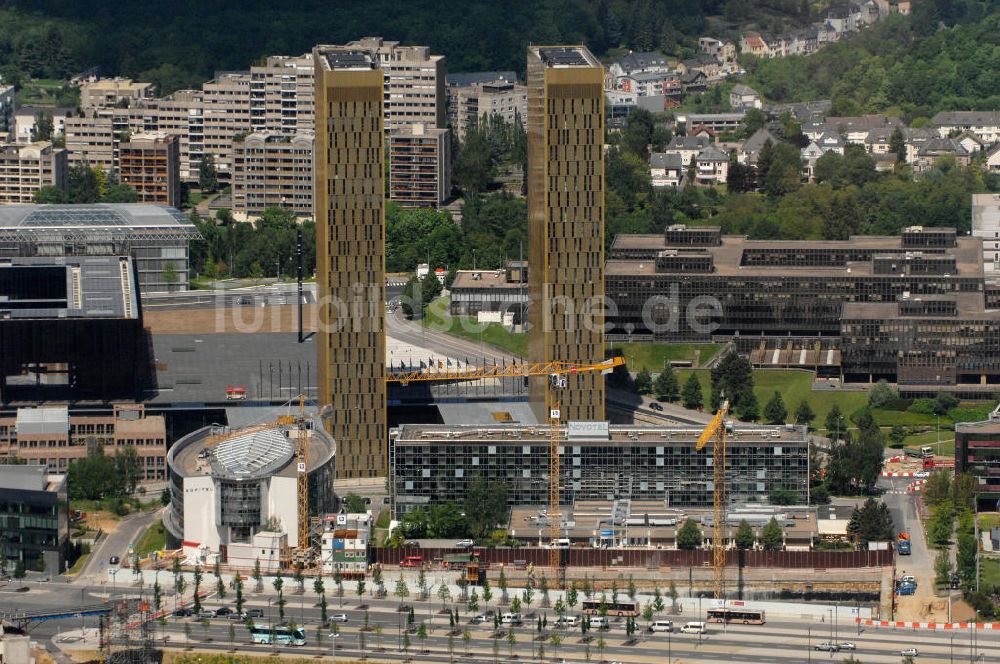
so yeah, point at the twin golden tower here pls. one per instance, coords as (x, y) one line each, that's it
(565, 128)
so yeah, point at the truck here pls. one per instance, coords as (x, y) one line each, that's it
(903, 547)
(919, 453)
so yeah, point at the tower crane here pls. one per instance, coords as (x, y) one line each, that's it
(716, 432)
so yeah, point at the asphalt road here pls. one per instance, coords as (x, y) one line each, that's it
(129, 530)
(416, 334)
(777, 641)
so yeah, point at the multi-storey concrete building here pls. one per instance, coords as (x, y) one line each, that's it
(272, 169)
(501, 292)
(977, 451)
(34, 518)
(108, 92)
(282, 94)
(26, 117)
(350, 255)
(414, 82)
(986, 225)
(419, 166)
(566, 222)
(156, 237)
(52, 437)
(24, 169)
(467, 104)
(432, 464)
(151, 164)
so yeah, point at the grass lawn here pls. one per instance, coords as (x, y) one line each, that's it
(794, 386)
(930, 438)
(154, 539)
(654, 357)
(989, 571)
(436, 315)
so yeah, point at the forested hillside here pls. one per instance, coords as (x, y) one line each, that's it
(179, 43)
(945, 56)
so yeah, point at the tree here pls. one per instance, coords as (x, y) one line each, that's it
(744, 536)
(572, 596)
(881, 394)
(485, 506)
(666, 387)
(444, 594)
(487, 591)
(355, 504)
(473, 602)
(43, 127)
(748, 408)
(692, 395)
(772, 537)
(256, 575)
(897, 145)
(804, 413)
(515, 604)
(50, 194)
(511, 640)
(208, 177)
(422, 634)
(466, 640)
(774, 411)
(942, 568)
(402, 590)
(279, 587)
(120, 193)
(689, 536)
(502, 585)
(474, 169)
(19, 571)
(237, 585)
(359, 589)
(643, 382)
(836, 423)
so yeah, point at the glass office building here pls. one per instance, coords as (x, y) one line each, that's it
(34, 523)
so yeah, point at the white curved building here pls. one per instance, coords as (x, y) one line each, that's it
(227, 486)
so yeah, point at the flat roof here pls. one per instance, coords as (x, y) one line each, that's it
(263, 450)
(566, 56)
(591, 433)
(29, 477)
(486, 279)
(347, 58)
(985, 213)
(76, 287)
(26, 222)
(486, 413)
(967, 305)
(728, 256)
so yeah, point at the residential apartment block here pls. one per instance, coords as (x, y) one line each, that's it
(566, 223)
(150, 164)
(52, 437)
(467, 104)
(350, 255)
(24, 169)
(106, 92)
(420, 166)
(271, 169)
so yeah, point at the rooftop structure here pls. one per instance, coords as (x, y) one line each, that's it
(154, 236)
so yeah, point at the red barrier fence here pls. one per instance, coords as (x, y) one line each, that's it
(651, 558)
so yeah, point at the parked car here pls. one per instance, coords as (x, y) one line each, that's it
(236, 616)
(481, 618)
(827, 646)
(183, 612)
(114, 560)
(656, 406)
(255, 613)
(847, 645)
(338, 618)
(206, 615)
(464, 544)
(223, 611)
(909, 652)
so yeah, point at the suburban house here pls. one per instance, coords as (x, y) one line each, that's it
(711, 167)
(704, 63)
(937, 148)
(752, 146)
(686, 147)
(694, 81)
(753, 44)
(984, 124)
(993, 159)
(744, 97)
(724, 52)
(810, 154)
(635, 63)
(831, 142)
(666, 169)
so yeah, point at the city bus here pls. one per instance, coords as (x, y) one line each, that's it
(279, 634)
(741, 615)
(592, 607)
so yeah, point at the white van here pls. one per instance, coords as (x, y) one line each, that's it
(597, 622)
(511, 619)
(662, 626)
(568, 621)
(693, 628)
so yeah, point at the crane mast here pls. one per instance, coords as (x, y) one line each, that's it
(716, 432)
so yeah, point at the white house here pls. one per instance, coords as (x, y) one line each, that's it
(666, 170)
(687, 147)
(711, 167)
(744, 97)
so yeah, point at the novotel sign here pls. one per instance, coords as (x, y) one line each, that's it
(588, 430)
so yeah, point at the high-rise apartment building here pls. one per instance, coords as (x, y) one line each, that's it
(271, 169)
(150, 164)
(419, 166)
(414, 82)
(24, 169)
(566, 222)
(6, 109)
(108, 92)
(468, 104)
(350, 256)
(282, 94)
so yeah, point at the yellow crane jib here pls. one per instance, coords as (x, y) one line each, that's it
(716, 432)
(513, 370)
(713, 426)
